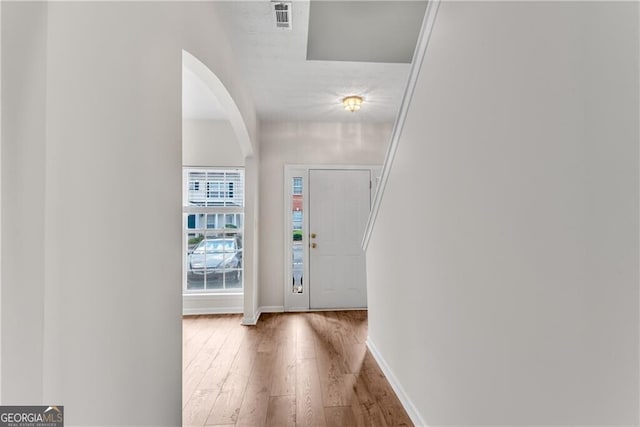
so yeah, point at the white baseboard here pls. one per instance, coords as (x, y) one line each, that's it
(223, 303)
(312, 310)
(252, 321)
(271, 309)
(298, 309)
(209, 310)
(408, 405)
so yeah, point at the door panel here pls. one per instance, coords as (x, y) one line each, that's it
(339, 209)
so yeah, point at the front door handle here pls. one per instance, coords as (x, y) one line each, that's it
(313, 245)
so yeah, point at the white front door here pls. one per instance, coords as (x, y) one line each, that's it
(339, 204)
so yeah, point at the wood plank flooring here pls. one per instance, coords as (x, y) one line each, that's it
(292, 369)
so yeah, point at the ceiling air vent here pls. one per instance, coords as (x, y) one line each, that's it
(283, 14)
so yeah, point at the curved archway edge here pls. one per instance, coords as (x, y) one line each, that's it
(209, 78)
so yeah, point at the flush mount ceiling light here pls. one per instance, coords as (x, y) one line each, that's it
(352, 103)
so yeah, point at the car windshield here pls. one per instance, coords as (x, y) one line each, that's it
(216, 246)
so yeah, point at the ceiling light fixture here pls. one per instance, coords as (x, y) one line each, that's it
(352, 103)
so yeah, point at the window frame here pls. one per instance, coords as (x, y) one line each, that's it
(231, 204)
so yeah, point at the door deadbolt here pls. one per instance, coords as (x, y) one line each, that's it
(313, 235)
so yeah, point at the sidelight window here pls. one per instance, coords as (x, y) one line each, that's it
(297, 230)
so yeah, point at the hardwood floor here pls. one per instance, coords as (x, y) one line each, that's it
(292, 369)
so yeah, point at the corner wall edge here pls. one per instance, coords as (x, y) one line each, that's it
(418, 57)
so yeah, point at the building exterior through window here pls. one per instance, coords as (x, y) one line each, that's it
(213, 211)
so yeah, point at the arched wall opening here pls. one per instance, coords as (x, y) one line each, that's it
(223, 97)
(215, 137)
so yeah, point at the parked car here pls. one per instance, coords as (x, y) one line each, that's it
(216, 256)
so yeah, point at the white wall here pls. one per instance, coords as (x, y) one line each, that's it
(210, 143)
(0, 203)
(23, 156)
(214, 143)
(244, 128)
(251, 253)
(303, 143)
(105, 238)
(514, 299)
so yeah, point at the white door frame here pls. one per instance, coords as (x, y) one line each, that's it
(300, 301)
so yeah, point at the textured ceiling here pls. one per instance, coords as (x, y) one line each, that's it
(287, 86)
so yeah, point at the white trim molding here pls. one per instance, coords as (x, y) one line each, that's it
(300, 301)
(418, 57)
(272, 309)
(229, 303)
(408, 405)
(252, 321)
(198, 311)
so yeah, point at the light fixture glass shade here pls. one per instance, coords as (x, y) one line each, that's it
(352, 103)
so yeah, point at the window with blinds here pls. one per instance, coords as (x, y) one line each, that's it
(215, 188)
(213, 211)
